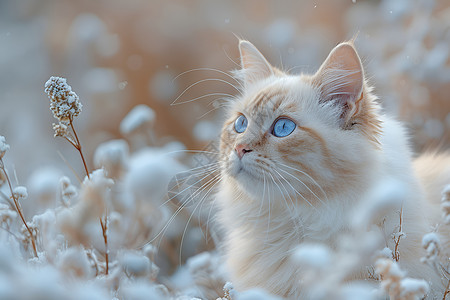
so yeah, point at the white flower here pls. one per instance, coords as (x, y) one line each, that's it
(20, 192)
(64, 103)
(60, 129)
(432, 245)
(113, 156)
(138, 117)
(3, 146)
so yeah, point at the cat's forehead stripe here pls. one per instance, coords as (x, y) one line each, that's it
(267, 99)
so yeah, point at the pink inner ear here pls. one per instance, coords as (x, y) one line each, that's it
(341, 75)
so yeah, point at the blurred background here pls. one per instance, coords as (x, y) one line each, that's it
(118, 54)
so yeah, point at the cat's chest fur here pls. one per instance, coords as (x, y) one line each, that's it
(259, 243)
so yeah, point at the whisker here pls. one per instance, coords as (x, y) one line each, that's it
(175, 214)
(192, 151)
(307, 175)
(209, 111)
(207, 170)
(298, 191)
(264, 191)
(204, 96)
(201, 81)
(294, 218)
(217, 180)
(207, 69)
(228, 56)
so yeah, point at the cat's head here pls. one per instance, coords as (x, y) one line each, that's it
(301, 135)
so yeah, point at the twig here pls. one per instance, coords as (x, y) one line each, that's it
(396, 254)
(18, 208)
(104, 224)
(78, 147)
(447, 290)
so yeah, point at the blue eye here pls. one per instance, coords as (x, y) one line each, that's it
(240, 124)
(283, 127)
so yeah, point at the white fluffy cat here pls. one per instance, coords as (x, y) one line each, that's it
(298, 154)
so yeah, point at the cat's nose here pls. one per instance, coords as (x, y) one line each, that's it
(241, 149)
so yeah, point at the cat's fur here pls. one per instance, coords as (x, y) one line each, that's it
(304, 187)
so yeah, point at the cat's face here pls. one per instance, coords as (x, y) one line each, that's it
(298, 136)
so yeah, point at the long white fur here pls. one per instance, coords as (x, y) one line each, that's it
(263, 227)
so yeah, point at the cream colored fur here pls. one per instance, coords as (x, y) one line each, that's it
(345, 150)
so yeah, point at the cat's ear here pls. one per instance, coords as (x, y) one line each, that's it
(254, 65)
(341, 79)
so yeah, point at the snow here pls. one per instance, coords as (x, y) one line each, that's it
(64, 103)
(20, 192)
(385, 197)
(113, 156)
(75, 262)
(386, 252)
(429, 238)
(413, 286)
(149, 174)
(3, 146)
(135, 264)
(313, 255)
(256, 294)
(199, 261)
(139, 116)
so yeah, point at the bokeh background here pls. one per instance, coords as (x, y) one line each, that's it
(117, 54)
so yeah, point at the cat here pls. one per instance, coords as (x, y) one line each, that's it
(298, 152)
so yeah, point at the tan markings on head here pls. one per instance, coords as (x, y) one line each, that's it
(317, 137)
(264, 97)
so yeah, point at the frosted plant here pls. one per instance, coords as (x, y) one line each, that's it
(80, 223)
(113, 157)
(207, 274)
(326, 272)
(64, 103)
(68, 191)
(140, 116)
(74, 262)
(229, 293)
(432, 246)
(396, 285)
(61, 130)
(6, 215)
(446, 204)
(3, 146)
(19, 192)
(135, 264)
(138, 126)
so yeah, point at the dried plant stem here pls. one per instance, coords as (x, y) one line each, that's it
(447, 291)
(19, 208)
(77, 145)
(104, 224)
(396, 253)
